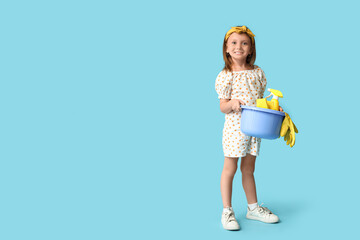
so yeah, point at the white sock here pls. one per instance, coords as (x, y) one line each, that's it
(227, 209)
(252, 206)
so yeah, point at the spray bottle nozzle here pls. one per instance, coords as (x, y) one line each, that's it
(275, 93)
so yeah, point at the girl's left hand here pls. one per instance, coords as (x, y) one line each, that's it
(280, 109)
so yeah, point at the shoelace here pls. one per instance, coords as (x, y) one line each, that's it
(229, 216)
(265, 209)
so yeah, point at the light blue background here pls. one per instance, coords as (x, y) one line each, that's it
(111, 127)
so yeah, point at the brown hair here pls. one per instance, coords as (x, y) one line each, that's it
(227, 58)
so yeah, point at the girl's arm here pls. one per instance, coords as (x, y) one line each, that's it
(227, 105)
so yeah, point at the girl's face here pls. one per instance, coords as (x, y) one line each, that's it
(239, 46)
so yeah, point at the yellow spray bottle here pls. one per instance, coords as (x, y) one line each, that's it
(273, 104)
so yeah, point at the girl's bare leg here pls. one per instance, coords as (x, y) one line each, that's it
(227, 176)
(247, 168)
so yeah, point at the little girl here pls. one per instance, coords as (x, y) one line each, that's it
(240, 83)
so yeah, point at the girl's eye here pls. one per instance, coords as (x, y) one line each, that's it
(245, 43)
(233, 42)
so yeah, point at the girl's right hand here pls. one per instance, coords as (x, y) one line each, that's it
(235, 105)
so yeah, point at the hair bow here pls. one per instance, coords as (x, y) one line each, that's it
(242, 29)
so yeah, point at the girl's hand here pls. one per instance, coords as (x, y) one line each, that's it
(235, 105)
(280, 109)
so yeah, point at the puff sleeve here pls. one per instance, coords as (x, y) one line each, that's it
(263, 83)
(223, 85)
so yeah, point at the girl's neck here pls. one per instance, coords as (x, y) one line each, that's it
(236, 66)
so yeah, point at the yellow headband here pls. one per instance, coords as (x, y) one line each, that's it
(239, 30)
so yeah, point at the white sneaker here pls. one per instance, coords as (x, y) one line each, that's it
(228, 220)
(262, 214)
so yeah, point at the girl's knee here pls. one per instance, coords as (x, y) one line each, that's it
(230, 166)
(229, 170)
(247, 165)
(247, 169)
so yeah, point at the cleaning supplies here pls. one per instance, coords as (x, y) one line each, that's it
(288, 128)
(273, 104)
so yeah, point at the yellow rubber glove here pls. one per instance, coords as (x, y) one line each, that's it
(288, 130)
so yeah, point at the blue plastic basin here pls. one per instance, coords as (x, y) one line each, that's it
(261, 122)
